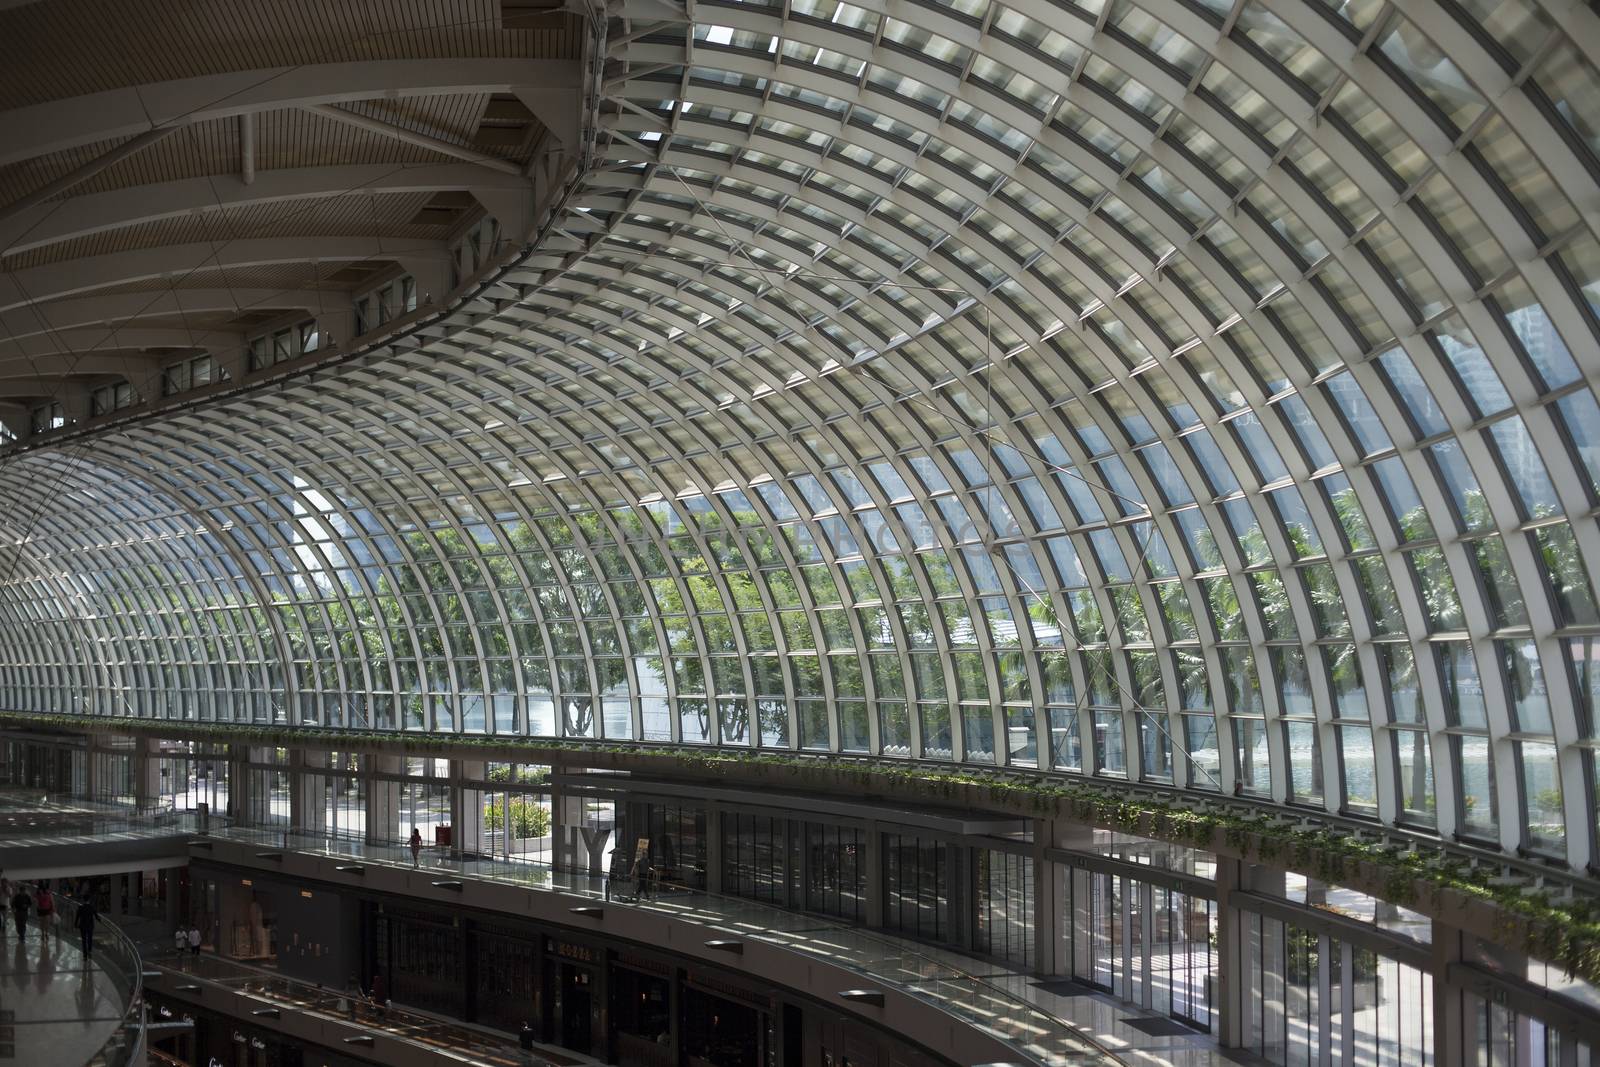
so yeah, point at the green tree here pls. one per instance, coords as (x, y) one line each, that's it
(529, 818)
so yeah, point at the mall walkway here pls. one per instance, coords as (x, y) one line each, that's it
(1055, 1022)
(466, 1045)
(62, 1012)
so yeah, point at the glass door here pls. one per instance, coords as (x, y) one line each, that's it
(1152, 946)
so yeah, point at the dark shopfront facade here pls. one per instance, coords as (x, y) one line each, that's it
(931, 880)
(217, 1040)
(616, 1002)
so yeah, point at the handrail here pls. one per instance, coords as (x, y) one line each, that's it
(125, 1046)
(1538, 871)
(595, 886)
(67, 826)
(346, 1005)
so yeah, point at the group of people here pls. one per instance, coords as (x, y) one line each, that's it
(41, 901)
(376, 995)
(187, 937)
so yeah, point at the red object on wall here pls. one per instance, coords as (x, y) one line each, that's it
(441, 836)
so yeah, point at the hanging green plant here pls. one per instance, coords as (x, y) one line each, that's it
(1564, 930)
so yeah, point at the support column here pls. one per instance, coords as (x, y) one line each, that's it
(1047, 898)
(466, 807)
(146, 771)
(713, 847)
(308, 793)
(239, 785)
(561, 851)
(91, 770)
(1449, 1030)
(169, 884)
(874, 881)
(383, 801)
(1230, 991)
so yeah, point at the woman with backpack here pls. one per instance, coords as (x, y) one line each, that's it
(44, 903)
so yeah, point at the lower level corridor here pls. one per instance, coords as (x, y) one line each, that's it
(670, 923)
(55, 1007)
(1059, 1023)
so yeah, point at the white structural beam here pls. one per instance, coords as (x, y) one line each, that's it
(78, 175)
(411, 137)
(21, 288)
(112, 337)
(121, 307)
(247, 147)
(31, 388)
(136, 366)
(558, 109)
(27, 132)
(82, 216)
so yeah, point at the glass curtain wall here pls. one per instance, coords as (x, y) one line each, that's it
(1497, 1036)
(921, 886)
(677, 843)
(1146, 943)
(836, 871)
(1204, 497)
(267, 796)
(515, 818)
(1503, 1031)
(196, 778)
(113, 777)
(1003, 921)
(340, 794)
(1315, 998)
(760, 858)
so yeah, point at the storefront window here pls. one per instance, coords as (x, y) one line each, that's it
(1004, 920)
(1150, 944)
(836, 876)
(755, 858)
(918, 879)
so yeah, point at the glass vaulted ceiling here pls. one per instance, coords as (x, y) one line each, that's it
(1191, 392)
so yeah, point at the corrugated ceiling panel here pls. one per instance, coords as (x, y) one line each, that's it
(284, 276)
(71, 47)
(342, 216)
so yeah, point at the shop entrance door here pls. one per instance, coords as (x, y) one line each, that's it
(576, 1008)
(1149, 945)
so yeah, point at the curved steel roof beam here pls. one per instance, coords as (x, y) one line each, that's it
(38, 130)
(24, 287)
(83, 216)
(120, 308)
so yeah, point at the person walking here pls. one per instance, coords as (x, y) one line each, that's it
(5, 897)
(180, 938)
(416, 846)
(614, 876)
(352, 993)
(20, 903)
(44, 903)
(86, 917)
(379, 994)
(194, 940)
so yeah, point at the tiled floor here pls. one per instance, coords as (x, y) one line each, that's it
(1105, 1019)
(60, 1011)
